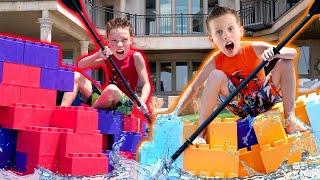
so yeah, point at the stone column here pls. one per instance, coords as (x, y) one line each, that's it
(122, 6)
(45, 26)
(84, 47)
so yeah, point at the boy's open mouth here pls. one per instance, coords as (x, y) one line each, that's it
(229, 46)
(120, 51)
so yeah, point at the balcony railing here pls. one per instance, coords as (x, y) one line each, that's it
(256, 15)
(261, 14)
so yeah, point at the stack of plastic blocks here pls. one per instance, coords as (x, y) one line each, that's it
(62, 139)
(167, 133)
(248, 146)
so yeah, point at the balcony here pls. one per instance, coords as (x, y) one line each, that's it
(256, 15)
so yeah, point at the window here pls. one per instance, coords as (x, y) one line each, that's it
(151, 17)
(303, 65)
(181, 19)
(211, 5)
(195, 67)
(152, 68)
(165, 20)
(181, 75)
(67, 57)
(197, 19)
(165, 77)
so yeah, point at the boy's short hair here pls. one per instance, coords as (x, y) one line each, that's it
(119, 23)
(220, 11)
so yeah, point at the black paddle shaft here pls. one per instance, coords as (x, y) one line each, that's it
(76, 6)
(313, 10)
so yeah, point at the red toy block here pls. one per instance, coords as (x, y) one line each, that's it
(9, 94)
(17, 116)
(131, 124)
(30, 76)
(42, 115)
(128, 155)
(79, 143)
(85, 164)
(81, 119)
(39, 141)
(38, 96)
(12, 74)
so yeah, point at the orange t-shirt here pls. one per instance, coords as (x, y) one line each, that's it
(239, 67)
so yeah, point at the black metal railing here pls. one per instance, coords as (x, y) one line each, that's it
(255, 14)
(261, 14)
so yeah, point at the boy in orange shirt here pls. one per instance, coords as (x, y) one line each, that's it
(234, 61)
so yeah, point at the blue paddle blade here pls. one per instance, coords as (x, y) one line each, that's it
(74, 5)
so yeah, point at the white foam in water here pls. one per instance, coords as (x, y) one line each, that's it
(308, 168)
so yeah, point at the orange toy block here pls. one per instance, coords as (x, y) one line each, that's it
(188, 129)
(269, 129)
(273, 157)
(250, 161)
(300, 144)
(212, 162)
(301, 112)
(222, 134)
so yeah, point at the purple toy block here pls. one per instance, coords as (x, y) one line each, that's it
(48, 78)
(8, 139)
(110, 122)
(2, 57)
(1, 70)
(21, 162)
(41, 55)
(131, 141)
(12, 49)
(65, 80)
(246, 134)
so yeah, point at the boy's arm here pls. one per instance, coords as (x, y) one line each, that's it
(265, 50)
(194, 86)
(141, 69)
(94, 60)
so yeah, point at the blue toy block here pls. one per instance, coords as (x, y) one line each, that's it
(65, 79)
(110, 122)
(1, 70)
(41, 55)
(2, 57)
(8, 139)
(132, 139)
(167, 138)
(48, 78)
(246, 134)
(110, 167)
(21, 161)
(313, 111)
(12, 49)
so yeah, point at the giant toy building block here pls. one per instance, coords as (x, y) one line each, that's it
(167, 138)
(222, 134)
(110, 122)
(76, 118)
(250, 162)
(211, 162)
(8, 139)
(313, 109)
(246, 134)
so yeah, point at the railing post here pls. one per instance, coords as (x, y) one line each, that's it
(135, 24)
(181, 24)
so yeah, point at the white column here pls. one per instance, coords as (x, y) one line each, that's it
(45, 26)
(205, 11)
(122, 6)
(84, 47)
